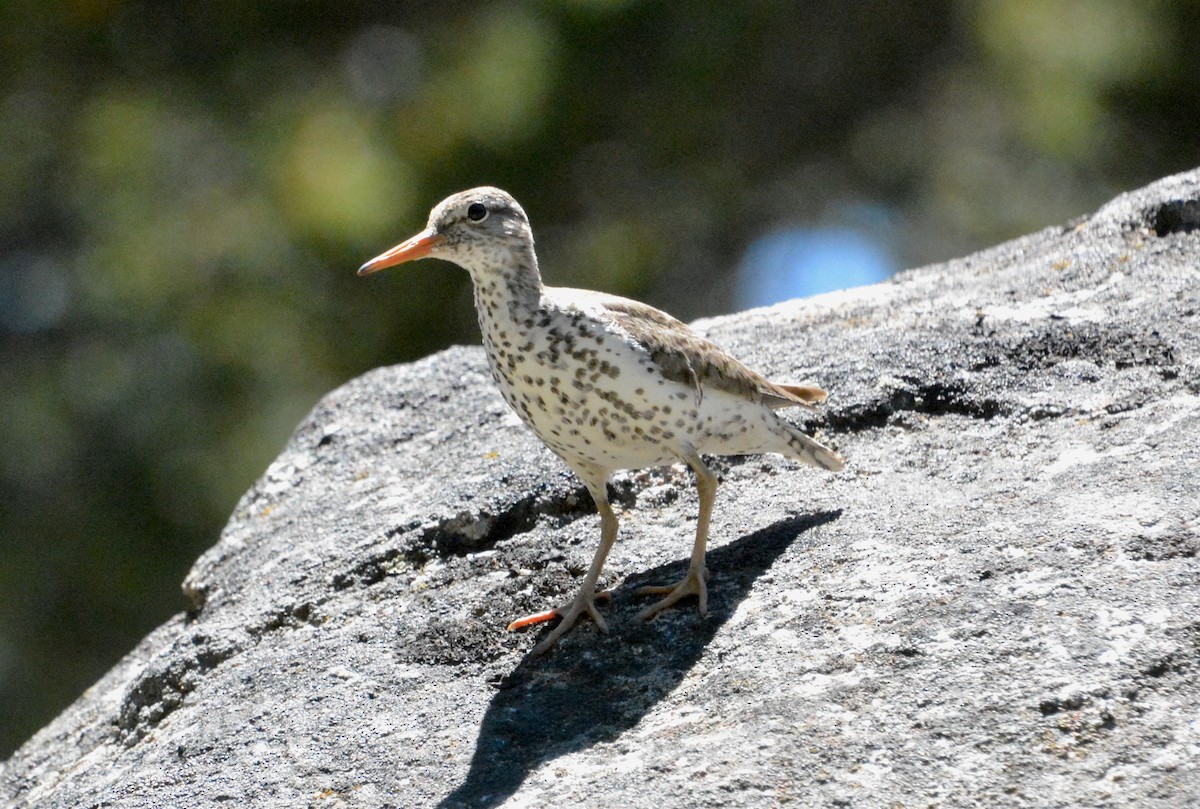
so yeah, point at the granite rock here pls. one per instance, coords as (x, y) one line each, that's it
(998, 603)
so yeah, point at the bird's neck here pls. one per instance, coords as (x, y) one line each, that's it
(508, 287)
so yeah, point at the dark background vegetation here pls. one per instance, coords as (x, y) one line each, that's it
(186, 190)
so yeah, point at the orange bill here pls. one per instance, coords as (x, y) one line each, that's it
(418, 246)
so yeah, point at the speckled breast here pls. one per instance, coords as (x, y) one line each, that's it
(593, 397)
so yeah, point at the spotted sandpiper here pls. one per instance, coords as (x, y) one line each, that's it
(605, 382)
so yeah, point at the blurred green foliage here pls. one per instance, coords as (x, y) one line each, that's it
(186, 190)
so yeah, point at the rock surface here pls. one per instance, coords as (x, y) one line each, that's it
(997, 604)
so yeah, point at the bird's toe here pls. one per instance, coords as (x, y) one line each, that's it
(694, 583)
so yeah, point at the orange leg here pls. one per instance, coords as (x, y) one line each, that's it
(694, 582)
(585, 599)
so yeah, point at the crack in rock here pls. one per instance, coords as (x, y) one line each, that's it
(472, 532)
(160, 689)
(1064, 341)
(1046, 347)
(1175, 216)
(369, 571)
(935, 399)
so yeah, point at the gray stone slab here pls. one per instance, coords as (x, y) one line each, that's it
(996, 604)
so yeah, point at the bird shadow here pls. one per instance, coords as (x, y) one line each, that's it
(591, 689)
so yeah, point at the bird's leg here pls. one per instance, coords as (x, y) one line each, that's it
(697, 574)
(585, 599)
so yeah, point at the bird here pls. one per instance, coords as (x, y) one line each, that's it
(607, 383)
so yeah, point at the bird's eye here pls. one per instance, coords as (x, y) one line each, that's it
(477, 212)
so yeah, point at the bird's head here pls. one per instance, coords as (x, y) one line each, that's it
(480, 229)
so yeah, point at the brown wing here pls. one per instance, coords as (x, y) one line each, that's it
(807, 394)
(685, 357)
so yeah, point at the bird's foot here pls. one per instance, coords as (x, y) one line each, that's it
(569, 613)
(693, 584)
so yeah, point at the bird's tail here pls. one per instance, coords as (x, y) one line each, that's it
(806, 449)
